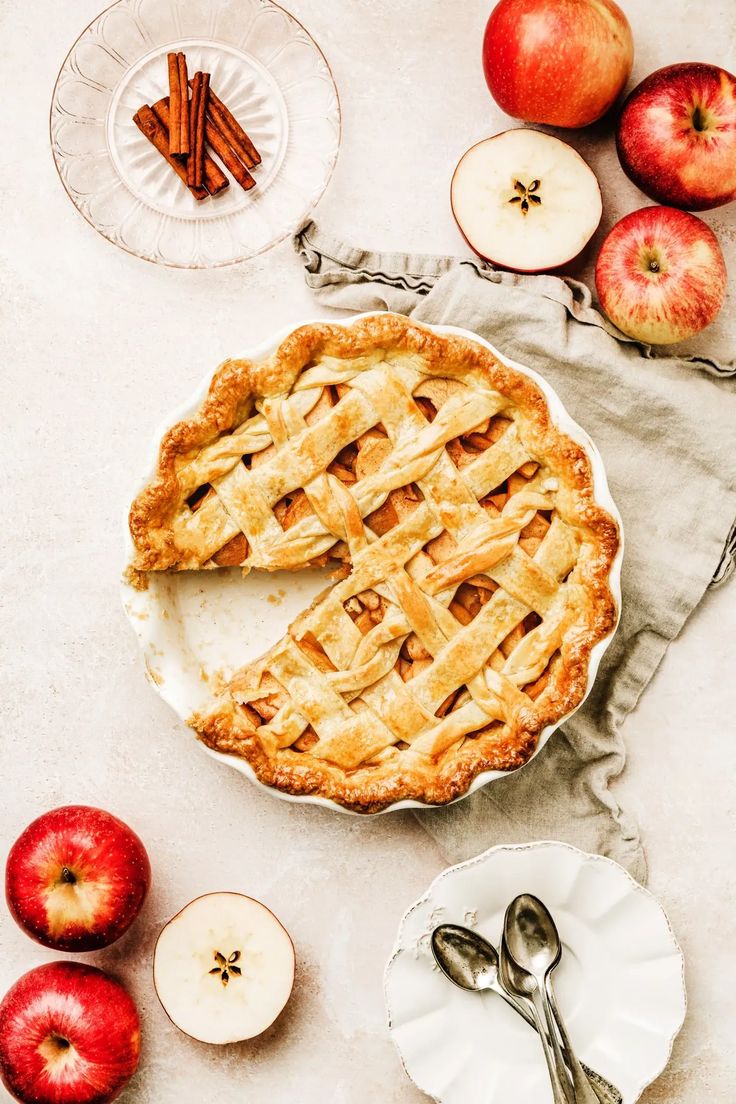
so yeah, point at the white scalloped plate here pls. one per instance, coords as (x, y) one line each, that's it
(620, 984)
(269, 71)
(193, 628)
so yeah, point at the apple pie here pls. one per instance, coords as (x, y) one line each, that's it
(471, 558)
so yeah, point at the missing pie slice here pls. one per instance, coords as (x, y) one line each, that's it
(472, 558)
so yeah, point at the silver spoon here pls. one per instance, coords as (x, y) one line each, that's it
(468, 960)
(521, 983)
(471, 962)
(534, 948)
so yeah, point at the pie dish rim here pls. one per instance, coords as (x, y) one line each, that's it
(560, 420)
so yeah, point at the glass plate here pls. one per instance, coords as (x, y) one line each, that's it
(272, 76)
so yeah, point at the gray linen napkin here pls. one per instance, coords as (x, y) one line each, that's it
(666, 434)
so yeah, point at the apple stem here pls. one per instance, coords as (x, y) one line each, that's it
(67, 877)
(698, 118)
(58, 1042)
(653, 266)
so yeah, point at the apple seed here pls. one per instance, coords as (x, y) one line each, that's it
(525, 195)
(226, 967)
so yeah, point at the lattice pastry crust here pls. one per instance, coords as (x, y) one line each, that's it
(473, 561)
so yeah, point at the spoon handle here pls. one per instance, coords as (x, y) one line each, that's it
(583, 1091)
(565, 1073)
(559, 1092)
(604, 1090)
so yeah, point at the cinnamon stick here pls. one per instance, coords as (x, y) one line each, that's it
(175, 105)
(214, 178)
(198, 151)
(233, 156)
(184, 93)
(229, 159)
(196, 83)
(158, 135)
(233, 131)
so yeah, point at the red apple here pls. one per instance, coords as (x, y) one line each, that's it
(562, 62)
(676, 138)
(69, 1034)
(76, 878)
(525, 201)
(660, 275)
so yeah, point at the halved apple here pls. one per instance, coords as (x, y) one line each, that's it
(525, 201)
(223, 968)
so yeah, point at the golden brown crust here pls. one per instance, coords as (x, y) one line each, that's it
(434, 780)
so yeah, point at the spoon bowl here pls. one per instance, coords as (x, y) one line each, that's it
(468, 960)
(532, 936)
(518, 982)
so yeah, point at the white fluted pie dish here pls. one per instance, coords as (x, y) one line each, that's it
(197, 628)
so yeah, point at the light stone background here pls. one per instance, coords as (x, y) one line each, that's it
(96, 348)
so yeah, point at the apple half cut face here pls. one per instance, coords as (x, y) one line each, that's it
(223, 968)
(525, 201)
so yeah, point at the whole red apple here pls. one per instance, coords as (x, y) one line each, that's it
(76, 878)
(69, 1034)
(676, 137)
(562, 62)
(660, 275)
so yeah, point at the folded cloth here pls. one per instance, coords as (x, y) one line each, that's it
(665, 428)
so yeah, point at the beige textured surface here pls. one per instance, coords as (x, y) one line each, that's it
(96, 348)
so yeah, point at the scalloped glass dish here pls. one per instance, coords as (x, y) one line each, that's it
(620, 983)
(269, 72)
